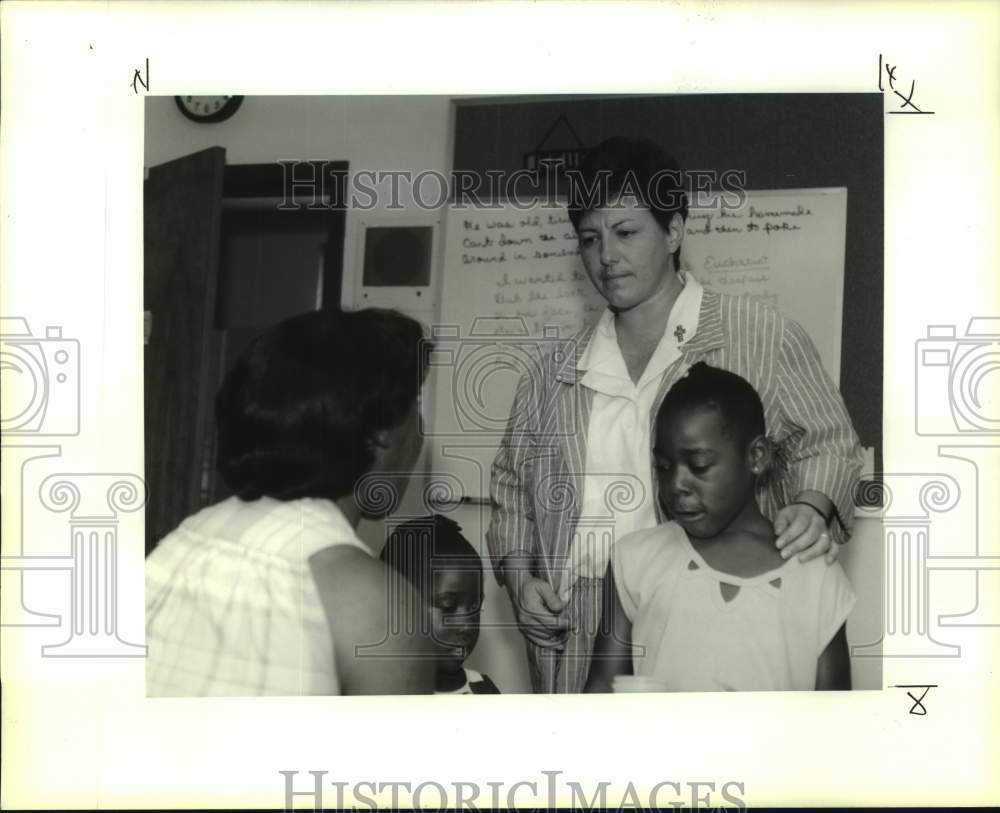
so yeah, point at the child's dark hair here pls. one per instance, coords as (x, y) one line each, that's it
(733, 397)
(419, 547)
(297, 412)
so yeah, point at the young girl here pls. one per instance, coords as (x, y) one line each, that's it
(447, 572)
(706, 602)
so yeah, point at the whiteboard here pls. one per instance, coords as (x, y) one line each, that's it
(513, 282)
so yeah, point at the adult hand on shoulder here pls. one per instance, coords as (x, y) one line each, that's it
(801, 529)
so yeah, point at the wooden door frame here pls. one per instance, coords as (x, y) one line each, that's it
(180, 268)
(275, 185)
(227, 182)
(279, 181)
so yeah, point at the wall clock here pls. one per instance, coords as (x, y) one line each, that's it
(208, 109)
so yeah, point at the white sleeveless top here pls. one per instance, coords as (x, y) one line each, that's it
(231, 604)
(765, 632)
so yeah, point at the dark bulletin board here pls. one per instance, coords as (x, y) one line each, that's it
(781, 141)
(397, 256)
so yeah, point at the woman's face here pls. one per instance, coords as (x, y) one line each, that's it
(627, 253)
(396, 453)
(408, 438)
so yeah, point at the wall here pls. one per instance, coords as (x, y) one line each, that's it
(370, 132)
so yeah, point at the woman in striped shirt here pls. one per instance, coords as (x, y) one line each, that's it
(574, 470)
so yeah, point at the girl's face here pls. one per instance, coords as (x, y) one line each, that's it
(628, 255)
(704, 477)
(456, 600)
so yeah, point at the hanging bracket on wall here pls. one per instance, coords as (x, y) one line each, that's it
(560, 158)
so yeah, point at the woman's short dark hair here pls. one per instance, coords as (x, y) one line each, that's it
(298, 411)
(634, 166)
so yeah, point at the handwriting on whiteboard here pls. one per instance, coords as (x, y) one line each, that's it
(527, 264)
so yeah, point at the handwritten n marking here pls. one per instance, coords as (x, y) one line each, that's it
(138, 80)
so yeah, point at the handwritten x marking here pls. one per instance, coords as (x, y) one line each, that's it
(891, 73)
(906, 99)
(918, 702)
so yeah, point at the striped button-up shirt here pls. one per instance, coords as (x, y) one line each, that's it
(538, 474)
(618, 482)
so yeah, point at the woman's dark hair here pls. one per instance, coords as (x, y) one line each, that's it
(416, 549)
(633, 166)
(298, 411)
(735, 399)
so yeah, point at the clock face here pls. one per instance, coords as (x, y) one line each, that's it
(207, 109)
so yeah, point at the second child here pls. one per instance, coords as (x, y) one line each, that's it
(447, 571)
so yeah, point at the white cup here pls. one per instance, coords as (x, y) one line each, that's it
(622, 684)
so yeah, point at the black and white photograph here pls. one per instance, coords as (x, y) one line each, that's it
(549, 395)
(499, 405)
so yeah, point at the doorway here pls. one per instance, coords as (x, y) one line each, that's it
(230, 250)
